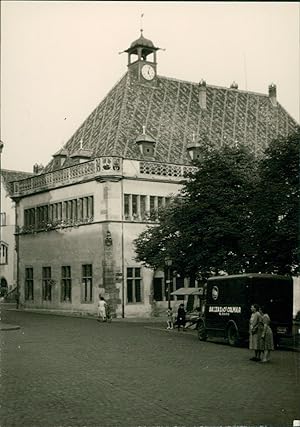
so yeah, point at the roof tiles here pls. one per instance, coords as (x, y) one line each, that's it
(170, 111)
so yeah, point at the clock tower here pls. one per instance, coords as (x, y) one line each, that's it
(142, 59)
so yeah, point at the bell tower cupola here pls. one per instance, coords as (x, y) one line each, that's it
(142, 57)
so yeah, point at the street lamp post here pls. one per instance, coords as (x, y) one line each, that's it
(168, 263)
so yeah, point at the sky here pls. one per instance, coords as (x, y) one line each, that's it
(60, 58)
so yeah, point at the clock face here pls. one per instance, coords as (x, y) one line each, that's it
(148, 72)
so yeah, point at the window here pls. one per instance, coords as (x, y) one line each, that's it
(90, 207)
(29, 218)
(29, 283)
(66, 284)
(134, 206)
(160, 202)
(134, 294)
(152, 203)
(4, 253)
(126, 206)
(85, 208)
(158, 289)
(46, 284)
(179, 284)
(2, 219)
(143, 207)
(87, 283)
(42, 216)
(153, 209)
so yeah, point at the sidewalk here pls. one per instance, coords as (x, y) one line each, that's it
(84, 315)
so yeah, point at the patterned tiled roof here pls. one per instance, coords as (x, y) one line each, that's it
(170, 111)
(11, 175)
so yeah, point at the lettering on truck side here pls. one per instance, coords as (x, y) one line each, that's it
(224, 311)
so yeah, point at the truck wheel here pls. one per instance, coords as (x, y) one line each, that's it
(201, 331)
(232, 335)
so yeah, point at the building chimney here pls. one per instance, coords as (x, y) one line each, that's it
(273, 94)
(38, 168)
(234, 85)
(202, 94)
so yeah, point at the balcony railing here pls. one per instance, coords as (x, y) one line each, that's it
(98, 167)
(165, 169)
(88, 170)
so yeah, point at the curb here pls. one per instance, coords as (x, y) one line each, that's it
(8, 327)
(83, 315)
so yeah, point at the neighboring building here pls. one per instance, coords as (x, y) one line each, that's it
(77, 220)
(7, 231)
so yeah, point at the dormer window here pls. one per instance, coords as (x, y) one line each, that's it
(60, 158)
(82, 154)
(146, 144)
(194, 149)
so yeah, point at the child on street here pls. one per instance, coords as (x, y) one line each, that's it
(170, 318)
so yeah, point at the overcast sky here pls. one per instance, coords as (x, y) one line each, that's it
(59, 59)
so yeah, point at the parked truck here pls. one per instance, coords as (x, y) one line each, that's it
(228, 301)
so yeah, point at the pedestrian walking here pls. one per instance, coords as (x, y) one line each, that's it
(101, 309)
(255, 330)
(180, 321)
(170, 318)
(267, 340)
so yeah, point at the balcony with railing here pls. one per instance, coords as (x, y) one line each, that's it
(101, 167)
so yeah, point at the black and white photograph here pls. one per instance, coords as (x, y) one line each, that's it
(149, 214)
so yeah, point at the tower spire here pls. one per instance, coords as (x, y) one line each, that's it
(141, 29)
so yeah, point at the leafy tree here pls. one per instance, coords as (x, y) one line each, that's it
(207, 227)
(277, 208)
(234, 214)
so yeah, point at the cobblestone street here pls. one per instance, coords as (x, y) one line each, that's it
(64, 371)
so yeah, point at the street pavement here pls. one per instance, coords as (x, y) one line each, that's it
(71, 371)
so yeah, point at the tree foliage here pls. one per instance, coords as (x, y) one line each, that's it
(234, 214)
(277, 207)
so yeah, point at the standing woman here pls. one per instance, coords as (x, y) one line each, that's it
(267, 340)
(101, 309)
(254, 332)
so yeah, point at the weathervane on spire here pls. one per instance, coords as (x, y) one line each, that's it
(142, 15)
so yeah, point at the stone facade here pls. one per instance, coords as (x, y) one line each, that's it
(122, 206)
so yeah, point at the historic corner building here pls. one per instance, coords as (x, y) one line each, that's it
(77, 219)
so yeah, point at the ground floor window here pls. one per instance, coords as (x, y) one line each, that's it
(179, 284)
(3, 287)
(160, 287)
(46, 284)
(3, 253)
(66, 283)
(134, 281)
(87, 283)
(29, 283)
